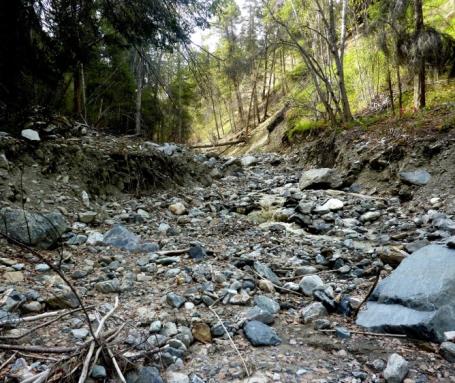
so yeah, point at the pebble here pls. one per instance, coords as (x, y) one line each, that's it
(177, 208)
(313, 311)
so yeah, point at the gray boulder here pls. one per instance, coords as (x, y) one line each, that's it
(120, 237)
(417, 299)
(323, 178)
(260, 314)
(259, 334)
(416, 177)
(41, 230)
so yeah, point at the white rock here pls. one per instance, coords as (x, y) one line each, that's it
(85, 199)
(449, 335)
(87, 216)
(248, 161)
(270, 201)
(396, 370)
(370, 216)
(177, 377)
(31, 135)
(313, 311)
(189, 306)
(258, 377)
(334, 204)
(177, 208)
(144, 214)
(309, 283)
(94, 238)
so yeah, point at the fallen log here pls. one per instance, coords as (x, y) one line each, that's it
(218, 144)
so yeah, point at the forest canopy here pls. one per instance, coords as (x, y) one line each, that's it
(132, 67)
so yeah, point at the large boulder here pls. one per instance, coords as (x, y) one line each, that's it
(121, 238)
(417, 299)
(42, 230)
(324, 178)
(415, 177)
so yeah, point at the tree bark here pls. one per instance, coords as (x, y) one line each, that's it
(419, 75)
(77, 91)
(139, 85)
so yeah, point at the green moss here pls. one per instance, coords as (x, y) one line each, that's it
(304, 128)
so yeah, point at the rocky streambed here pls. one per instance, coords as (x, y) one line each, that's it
(256, 277)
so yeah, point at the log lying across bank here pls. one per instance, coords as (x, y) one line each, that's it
(217, 144)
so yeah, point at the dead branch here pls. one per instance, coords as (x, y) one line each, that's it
(206, 146)
(173, 252)
(5, 363)
(39, 378)
(376, 281)
(28, 319)
(385, 335)
(230, 339)
(57, 271)
(89, 355)
(278, 287)
(39, 349)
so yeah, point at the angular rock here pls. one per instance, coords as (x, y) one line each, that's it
(177, 208)
(257, 313)
(108, 287)
(175, 300)
(396, 370)
(201, 332)
(197, 252)
(313, 311)
(87, 216)
(98, 372)
(332, 204)
(120, 237)
(447, 350)
(370, 216)
(34, 229)
(31, 135)
(265, 272)
(62, 299)
(80, 333)
(259, 334)
(266, 286)
(248, 161)
(417, 299)
(94, 238)
(144, 375)
(309, 283)
(416, 177)
(12, 276)
(267, 303)
(323, 178)
(177, 377)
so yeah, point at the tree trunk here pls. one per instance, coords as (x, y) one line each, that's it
(400, 91)
(77, 91)
(139, 85)
(419, 75)
(269, 88)
(239, 100)
(390, 86)
(83, 93)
